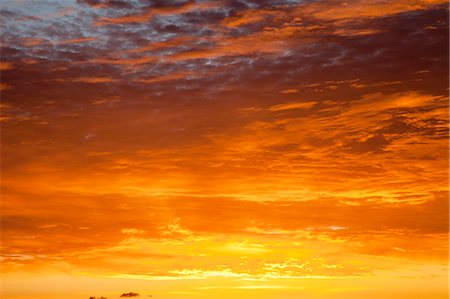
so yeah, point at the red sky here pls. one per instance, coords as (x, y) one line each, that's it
(217, 149)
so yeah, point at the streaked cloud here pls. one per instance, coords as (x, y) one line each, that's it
(289, 106)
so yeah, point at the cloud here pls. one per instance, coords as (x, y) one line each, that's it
(373, 103)
(129, 295)
(5, 66)
(94, 79)
(121, 61)
(333, 10)
(163, 11)
(166, 44)
(5, 86)
(289, 90)
(31, 42)
(132, 231)
(168, 77)
(290, 106)
(247, 17)
(75, 40)
(116, 4)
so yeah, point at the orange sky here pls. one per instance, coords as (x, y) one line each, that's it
(276, 149)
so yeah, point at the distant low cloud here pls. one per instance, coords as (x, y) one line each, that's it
(130, 294)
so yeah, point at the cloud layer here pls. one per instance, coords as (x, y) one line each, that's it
(190, 148)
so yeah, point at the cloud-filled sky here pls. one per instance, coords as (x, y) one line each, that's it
(217, 149)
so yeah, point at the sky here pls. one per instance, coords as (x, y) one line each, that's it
(272, 149)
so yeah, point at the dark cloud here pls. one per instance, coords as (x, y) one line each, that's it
(130, 294)
(375, 144)
(116, 4)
